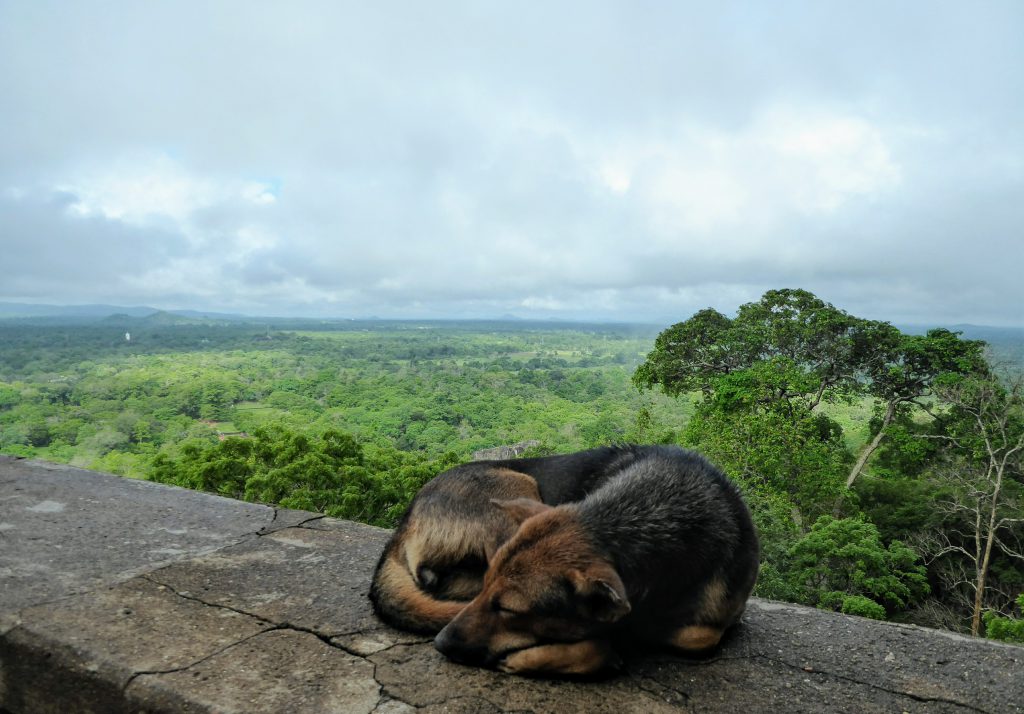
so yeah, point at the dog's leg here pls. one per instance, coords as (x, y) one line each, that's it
(695, 638)
(583, 657)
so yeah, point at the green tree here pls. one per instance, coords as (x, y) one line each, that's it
(813, 345)
(9, 396)
(799, 455)
(903, 370)
(38, 432)
(328, 472)
(841, 564)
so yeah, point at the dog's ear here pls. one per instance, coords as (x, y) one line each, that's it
(601, 594)
(519, 509)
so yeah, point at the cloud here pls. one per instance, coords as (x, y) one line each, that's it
(614, 160)
(52, 250)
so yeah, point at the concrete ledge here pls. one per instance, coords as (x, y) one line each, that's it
(128, 596)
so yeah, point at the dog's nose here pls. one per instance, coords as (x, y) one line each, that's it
(449, 643)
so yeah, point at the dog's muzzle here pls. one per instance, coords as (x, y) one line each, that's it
(449, 643)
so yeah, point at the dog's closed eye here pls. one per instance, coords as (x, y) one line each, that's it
(508, 605)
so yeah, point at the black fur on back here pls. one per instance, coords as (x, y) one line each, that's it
(570, 477)
(669, 520)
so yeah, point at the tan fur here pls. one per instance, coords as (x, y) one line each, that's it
(695, 638)
(405, 593)
(554, 597)
(437, 532)
(583, 657)
(458, 538)
(714, 606)
(508, 615)
(718, 608)
(551, 548)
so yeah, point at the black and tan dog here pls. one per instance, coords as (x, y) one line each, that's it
(434, 563)
(655, 546)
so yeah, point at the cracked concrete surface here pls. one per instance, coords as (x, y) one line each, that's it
(131, 597)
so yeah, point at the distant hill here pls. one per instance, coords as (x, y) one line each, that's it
(22, 310)
(155, 319)
(54, 314)
(207, 315)
(1007, 343)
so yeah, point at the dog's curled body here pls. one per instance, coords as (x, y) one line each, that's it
(664, 551)
(544, 565)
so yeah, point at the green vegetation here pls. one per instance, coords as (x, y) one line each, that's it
(884, 469)
(1008, 629)
(842, 564)
(205, 405)
(330, 472)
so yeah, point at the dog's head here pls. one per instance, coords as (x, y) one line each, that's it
(547, 584)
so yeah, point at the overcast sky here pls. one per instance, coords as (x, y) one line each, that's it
(610, 160)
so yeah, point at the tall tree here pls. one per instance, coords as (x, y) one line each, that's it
(792, 348)
(812, 346)
(763, 374)
(982, 480)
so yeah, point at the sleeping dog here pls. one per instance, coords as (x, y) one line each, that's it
(565, 556)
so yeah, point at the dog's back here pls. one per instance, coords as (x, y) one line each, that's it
(570, 477)
(674, 524)
(663, 552)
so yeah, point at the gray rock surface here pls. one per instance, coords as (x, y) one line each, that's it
(133, 597)
(66, 530)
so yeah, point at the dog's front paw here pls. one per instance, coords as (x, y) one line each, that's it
(504, 665)
(576, 658)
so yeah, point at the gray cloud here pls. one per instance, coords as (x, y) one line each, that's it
(50, 252)
(615, 160)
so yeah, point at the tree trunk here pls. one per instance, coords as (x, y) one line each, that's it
(865, 454)
(979, 574)
(979, 592)
(987, 557)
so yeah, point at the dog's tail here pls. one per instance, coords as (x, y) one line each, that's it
(400, 602)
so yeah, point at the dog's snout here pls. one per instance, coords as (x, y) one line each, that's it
(453, 646)
(444, 641)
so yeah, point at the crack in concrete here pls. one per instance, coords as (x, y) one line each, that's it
(269, 529)
(193, 598)
(385, 699)
(222, 650)
(872, 685)
(283, 626)
(156, 568)
(274, 626)
(641, 681)
(384, 691)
